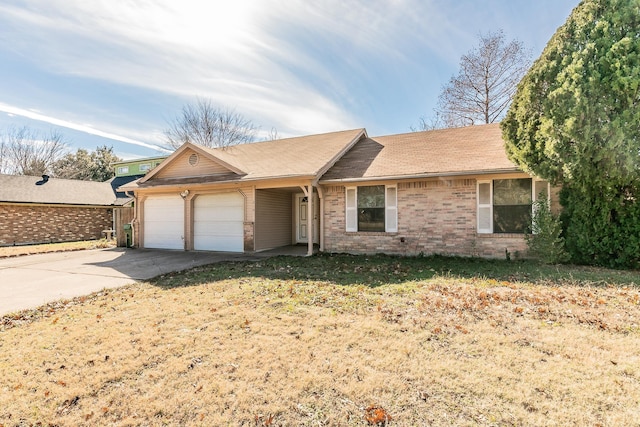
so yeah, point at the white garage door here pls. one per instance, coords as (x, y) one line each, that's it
(164, 222)
(218, 222)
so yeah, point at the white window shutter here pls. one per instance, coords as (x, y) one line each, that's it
(351, 209)
(391, 213)
(485, 207)
(541, 188)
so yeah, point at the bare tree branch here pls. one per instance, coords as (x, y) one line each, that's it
(204, 124)
(272, 135)
(25, 152)
(487, 80)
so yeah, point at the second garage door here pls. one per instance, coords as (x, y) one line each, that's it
(218, 222)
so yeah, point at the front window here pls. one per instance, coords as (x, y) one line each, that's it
(511, 205)
(123, 169)
(505, 205)
(371, 208)
(145, 167)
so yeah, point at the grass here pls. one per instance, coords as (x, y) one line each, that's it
(12, 251)
(332, 340)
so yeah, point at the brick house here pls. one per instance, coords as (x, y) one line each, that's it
(46, 210)
(449, 191)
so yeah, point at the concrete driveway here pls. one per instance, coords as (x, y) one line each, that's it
(33, 280)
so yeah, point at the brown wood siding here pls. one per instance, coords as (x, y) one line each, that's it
(180, 167)
(273, 219)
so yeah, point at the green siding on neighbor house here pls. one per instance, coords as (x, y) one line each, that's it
(137, 166)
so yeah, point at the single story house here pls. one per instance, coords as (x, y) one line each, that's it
(36, 209)
(450, 191)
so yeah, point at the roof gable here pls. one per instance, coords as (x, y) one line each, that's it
(192, 160)
(307, 156)
(190, 163)
(445, 152)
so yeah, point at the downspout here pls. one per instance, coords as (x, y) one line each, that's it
(135, 216)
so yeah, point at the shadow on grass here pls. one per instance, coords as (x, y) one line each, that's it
(379, 270)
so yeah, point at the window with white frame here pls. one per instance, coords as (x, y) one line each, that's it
(145, 167)
(505, 205)
(123, 169)
(371, 208)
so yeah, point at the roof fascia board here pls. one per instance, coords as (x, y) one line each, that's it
(58, 205)
(293, 180)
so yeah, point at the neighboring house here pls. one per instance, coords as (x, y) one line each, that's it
(45, 210)
(449, 191)
(125, 172)
(136, 167)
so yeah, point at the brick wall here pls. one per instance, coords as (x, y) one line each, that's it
(434, 217)
(24, 224)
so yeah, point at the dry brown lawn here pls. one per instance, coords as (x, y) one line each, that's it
(260, 344)
(11, 251)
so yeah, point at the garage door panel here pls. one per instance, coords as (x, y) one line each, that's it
(218, 222)
(222, 213)
(222, 228)
(164, 222)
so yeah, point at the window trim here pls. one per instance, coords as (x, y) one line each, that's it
(390, 209)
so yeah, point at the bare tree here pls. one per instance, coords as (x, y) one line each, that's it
(483, 89)
(25, 152)
(272, 135)
(3, 156)
(205, 124)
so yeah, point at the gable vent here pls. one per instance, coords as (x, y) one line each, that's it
(193, 159)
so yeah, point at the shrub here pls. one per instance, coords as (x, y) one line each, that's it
(545, 241)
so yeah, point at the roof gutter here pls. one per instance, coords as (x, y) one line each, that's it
(125, 189)
(421, 176)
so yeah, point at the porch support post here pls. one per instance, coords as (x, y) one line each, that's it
(321, 230)
(308, 192)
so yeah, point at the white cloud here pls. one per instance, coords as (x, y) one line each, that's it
(292, 64)
(272, 60)
(34, 115)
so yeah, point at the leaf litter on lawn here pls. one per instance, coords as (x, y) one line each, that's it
(311, 341)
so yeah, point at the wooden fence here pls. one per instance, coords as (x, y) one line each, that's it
(121, 217)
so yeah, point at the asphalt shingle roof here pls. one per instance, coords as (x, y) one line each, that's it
(33, 189)
(300, 156)
(473, 149)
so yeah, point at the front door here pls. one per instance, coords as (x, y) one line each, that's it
(302, 221)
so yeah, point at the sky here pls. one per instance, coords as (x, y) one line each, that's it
(116, 72)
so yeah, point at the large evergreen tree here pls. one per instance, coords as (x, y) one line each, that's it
(575, 120)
